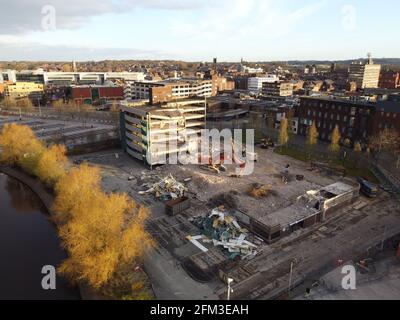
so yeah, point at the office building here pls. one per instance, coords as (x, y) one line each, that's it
(255, 84)
(21, 90)
(278, 89)
(170, 90)
(365, 74)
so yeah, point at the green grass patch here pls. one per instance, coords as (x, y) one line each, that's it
(353, 169)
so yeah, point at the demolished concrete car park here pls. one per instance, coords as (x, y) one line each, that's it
(313, 207)
(222, 230)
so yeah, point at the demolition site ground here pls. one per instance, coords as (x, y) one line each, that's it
(196, 252)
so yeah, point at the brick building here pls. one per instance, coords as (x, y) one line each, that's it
(357, 120)
(95, 94)
(389, 79)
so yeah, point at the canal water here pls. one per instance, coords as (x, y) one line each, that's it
(28, 241)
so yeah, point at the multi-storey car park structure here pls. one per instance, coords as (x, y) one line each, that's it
(153, 134)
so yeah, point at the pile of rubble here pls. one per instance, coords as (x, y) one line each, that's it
(221, 229)
(166, 189)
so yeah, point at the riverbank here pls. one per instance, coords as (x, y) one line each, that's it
(37, 187)
(47, 199)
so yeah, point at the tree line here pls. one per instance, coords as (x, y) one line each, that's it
(101, 232)
(387, 139)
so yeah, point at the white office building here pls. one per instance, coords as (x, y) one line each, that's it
(255, 84)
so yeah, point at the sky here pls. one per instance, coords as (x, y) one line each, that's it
(198, 30)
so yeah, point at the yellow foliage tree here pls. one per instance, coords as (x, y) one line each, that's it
(312, 136)
(25, 103)
(52, 164)
(74, 188)
(335, 139)
(20, 147)
(283, 132)
(99, 237)
(357, 147)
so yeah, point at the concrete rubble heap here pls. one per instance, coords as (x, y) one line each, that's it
(224, 231)
(166, 189)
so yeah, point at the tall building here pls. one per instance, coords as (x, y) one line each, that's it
(365, 74)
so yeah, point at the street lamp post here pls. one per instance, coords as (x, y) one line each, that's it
(290, 277)
(230, 290)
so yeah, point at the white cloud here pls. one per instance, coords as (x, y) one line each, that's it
(248, 18)
(19, 50)
(21, 16)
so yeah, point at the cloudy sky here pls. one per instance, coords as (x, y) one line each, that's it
(197, 30)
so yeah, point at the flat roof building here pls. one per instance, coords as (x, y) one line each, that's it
(313, 207)
(357, 121)
(365, 74)
(154, 134)
(278, 89)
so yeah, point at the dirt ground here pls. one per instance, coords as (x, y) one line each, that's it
(314, 249)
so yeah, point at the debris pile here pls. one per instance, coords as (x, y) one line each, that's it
(166, 189)
(224, 231)
(228, 200)
(258, 191)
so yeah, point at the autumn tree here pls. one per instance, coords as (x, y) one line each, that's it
(387, 140)
(72, 189)
(283, 132)
(67, 67)
(335, 139)
(312, 136)
(52, 164)
(10, 102)
(115, 106)
(25, 103)
(20, 147)
(357, 147)
(103, 231)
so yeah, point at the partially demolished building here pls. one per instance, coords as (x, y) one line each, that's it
(313, 207)
(155, 133)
